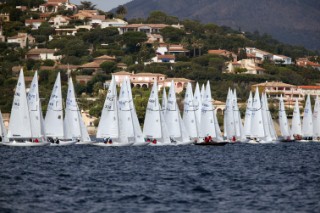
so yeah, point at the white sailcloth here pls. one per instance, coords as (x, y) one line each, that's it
(72, 119)
(20, 112)
(307, 125)
(248, 115)
(54, 124)
(237, 118)
(190, 112)
(197, 103)
(316, 119)
(229, 125)
(35, 111)
(296, 120)
(172, 114)
(83, 129)
(136, 125)
(154, 123)
(283, 120)
(271, 128)
(125, 117)
(207, 125)
(109, 124)
(257, 124)
(164, 101)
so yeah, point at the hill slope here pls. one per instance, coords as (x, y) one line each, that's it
(290, 21)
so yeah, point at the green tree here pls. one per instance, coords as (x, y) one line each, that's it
(172, 35)
(121, 11)
(133, 40)
(108, 66)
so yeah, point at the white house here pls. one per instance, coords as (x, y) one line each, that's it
(23, 39)
(52, 6)
(97, 19)
(164, 59)
(43, 54)
(34, 23)
(258, 54)
(113, 23)
(249, 64)
(59, 20)
(281, 59)
(146, 28)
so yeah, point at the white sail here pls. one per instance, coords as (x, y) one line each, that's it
(20, 126)
(190, 111)
(316, 119)
(237, 118)
(172, 114)
(283, 120)
(307, 125)
(248, 115)
(109, 124)
(83, 129)
(136, 125)
(152, 123)
(54, 118)
(257, 125)
(229, 125)
(164, 101)
(296, 121)
(271, 129)
(3, 131)
(207, 125)
(35, 108)
(72, 119)
(125, 117)
(202, 93)
(197, 103)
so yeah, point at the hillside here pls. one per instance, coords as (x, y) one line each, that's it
(294, 22)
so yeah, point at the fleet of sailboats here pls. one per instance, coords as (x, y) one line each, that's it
(163, 124)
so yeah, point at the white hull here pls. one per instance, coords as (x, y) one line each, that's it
(63, 143)
(84, 142)
(25, 143)
(140, 144)
(113, 144)
(183, 143)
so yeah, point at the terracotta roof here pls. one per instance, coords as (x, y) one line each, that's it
(218, 52)
(166, 57)
(178, 80)
(147, 25)
(29, 21)
(122, 73)
(105, 57)
(100, 17)
(57, 1)
(273, 84)
(309, 87)
(91, 65)
(41, 50)
(282, 56)
(148, 74)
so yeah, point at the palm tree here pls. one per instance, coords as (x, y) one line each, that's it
(87, 5)
(121, 11)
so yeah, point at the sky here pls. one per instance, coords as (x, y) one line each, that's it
(104, 5)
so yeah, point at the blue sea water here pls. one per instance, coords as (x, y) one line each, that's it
(233, 178)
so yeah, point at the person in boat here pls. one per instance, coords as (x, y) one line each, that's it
(233, 138)
(110, 141)
(210, 138)
(57, 141)
(206, 139)
(36, 140)
(154, 141)
(148, 140)
(105, 140)
(0, 138)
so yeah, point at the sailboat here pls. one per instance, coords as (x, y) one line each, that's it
(25, 127)
(247, 119)
(190, 113)
(210, 133)
(3, 131)
(138, 135)
(54, 124)
(296, 130)
(73, 124)
(316, 120)
(233, 129)
(307, 125)
(164, 101)
(268, 125)
(283, 123)
(110, 128)
(257, 132)
(176, 127)
(155, 129)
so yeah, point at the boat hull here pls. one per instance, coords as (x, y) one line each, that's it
(25, 144)
(113, 144)
(63, 143)
(84, 142)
